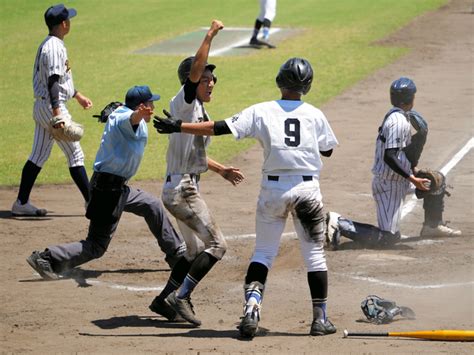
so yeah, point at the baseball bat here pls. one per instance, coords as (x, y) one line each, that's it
(439, 334)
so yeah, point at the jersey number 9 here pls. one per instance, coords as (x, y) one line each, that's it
(292, 130)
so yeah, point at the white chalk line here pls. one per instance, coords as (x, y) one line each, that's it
(402, 285)
(292, 235)
(239, 43)
(410, 204)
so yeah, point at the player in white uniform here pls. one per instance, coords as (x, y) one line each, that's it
(186, 160)
(293, 135)
(53, 87)
(392, 175)
(265, 18)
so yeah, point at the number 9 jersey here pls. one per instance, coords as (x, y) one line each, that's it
(291, 132)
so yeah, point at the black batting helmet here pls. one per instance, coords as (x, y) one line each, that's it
(185, 68)
(402, 91)
(295, 75)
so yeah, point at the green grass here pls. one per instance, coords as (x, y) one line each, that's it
(337, 38)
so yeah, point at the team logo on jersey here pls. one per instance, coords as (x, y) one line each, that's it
(68, 67)
(235, 117)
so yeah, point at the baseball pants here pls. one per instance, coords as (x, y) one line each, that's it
(197, 225)
(278, 197)
(141, 203)
(43, 140)
(389, 196)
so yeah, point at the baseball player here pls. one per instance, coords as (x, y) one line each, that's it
(393, 173)
(120, 152)
(265, 18)
(293, 134)
(53, 87)
(186, 161)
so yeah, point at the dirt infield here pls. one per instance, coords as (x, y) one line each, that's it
(104, 307)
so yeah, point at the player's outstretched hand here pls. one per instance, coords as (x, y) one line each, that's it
(167, 125)
(233, 175)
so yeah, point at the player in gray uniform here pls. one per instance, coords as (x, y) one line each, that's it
(293, 135)
(119, 156)
(53, 87)
(186, 160)
(393, 173)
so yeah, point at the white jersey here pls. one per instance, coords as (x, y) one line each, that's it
(51, 59)
(292, 133)
(186, 152)
(395, 132)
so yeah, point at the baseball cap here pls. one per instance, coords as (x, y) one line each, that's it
(139, 94)
(57, 14)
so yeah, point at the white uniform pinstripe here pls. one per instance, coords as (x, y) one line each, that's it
(292, 133)
(389, 188)
(51, 59)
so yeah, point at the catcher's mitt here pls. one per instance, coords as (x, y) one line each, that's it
(63, 128)
(382, 311)
(437, 182)
(108, 109)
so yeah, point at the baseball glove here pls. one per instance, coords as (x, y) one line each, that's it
(382, 311)
(437, 182)
(108, 109)
(167, 125)
(63, 128)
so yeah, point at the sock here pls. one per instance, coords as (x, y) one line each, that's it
(266, 33)
(199, 268)
(258, 25)
(79, 175)
(176, 278)
(318, 286)
(256, 272)
(28, 177)
(253, 296)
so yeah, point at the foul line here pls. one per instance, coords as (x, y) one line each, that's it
(237, 44)
(401, 285)
(410, 205)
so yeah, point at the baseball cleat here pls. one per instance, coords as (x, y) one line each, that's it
(27, 210)
(439, 231)
(259, 43)
(249, 325)
(163, 308)
(42, 266)
(184, 308)
(321, 327)
(333, 234)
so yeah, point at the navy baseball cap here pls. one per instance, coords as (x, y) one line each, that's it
(57, 14)
(139, 94)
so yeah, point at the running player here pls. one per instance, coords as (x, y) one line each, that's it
(53, 87)
(186, 160)
(293, 135)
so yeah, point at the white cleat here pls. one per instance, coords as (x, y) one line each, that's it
(27, 210)
(439, 231)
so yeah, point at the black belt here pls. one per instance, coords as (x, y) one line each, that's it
(276, 178)
(192, 176)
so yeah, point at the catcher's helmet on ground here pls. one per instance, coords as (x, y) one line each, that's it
(296, 75)
(185, 68)
(402, 91)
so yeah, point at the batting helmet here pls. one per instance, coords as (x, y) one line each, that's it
(185, 68)
(402, 91)
(295, 75)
